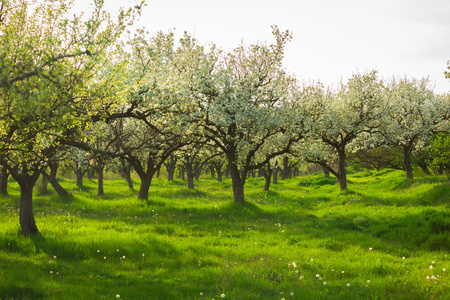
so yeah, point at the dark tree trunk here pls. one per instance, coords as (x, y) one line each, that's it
(197, 171)
(227, 172)
(326, 172)
(219, 172)
(128, 179)
(342, 172)
(79, 173)
(100, 191)
(146, 181)
(275, 175)
(89, 173)
(423, 165)
(52, 179)
(4, 174)
(267, 178)
(238, 182)
(171, 166)
(212, 171)
(125, 172)
(182, 172)
(190, 174)
(407, 165)
(26, 216)
(285, 173)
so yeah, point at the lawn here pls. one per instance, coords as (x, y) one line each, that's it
(385, 238)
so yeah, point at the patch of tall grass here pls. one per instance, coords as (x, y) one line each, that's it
(385, 238)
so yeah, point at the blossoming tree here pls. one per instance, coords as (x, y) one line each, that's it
(341, 117)
(243, 102)
(45, 58)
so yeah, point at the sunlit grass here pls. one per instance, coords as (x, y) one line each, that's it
(385, 238)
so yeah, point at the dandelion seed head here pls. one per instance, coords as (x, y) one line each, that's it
(403, 258)
(324, 283)
(292, 294)
(348, 284)
(117, 296)
(370, 249)
(443, 269)
(431, 267)
(317, 275)
(222, 295)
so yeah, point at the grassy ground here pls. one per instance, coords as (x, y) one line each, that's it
(385, 238)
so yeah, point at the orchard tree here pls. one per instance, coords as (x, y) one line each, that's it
(45, 60)
(242, 103)
(356, 109)
(414, 113)
(156, 110)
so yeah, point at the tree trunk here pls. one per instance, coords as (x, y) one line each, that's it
(342, 172)
(55, 184)
(423, 165)
(79, 175)
(125, 172)
(4, 174)
(100, 191)
(326, 172)
(275, 175)
(238, 184)
(88, 173)
(26, 216)
(170, 172)
(190, 173)
(182, 172)
(128, 179)
(407, 161)
(197, 171)
(227, 171)
(219, 172)
(171, 166)
(284, 174)
(267, 178)
(146, 181)
(52, 179)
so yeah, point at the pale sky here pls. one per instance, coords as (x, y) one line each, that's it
(332, 39)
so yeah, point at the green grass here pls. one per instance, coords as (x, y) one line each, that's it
(383, 238)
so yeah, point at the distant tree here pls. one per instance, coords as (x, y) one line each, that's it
(414, 113)
(241, 102)
(340, 119)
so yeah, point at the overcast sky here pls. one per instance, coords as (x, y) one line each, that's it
(332, 39)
